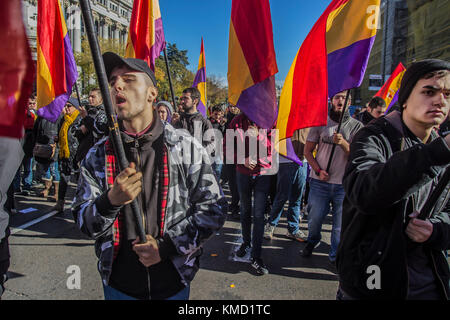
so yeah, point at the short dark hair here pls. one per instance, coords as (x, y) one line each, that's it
(376, 102)
(95, 89)
(195, 94)
(217, 108)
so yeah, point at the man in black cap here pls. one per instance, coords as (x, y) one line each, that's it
(395, 162)
(180, 200)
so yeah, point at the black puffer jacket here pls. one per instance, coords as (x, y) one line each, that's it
(96, 124)
(382, 182)
(193, 122)
(46, 132)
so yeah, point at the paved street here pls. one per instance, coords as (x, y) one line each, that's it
(42, 255)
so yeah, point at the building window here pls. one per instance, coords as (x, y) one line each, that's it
(113, 7)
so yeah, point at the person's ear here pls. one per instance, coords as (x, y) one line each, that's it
(152, 93)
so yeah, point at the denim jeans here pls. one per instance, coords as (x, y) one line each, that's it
(217, 168)
(321, 195)
(290, 186)
(26, 177)
(113, 294)
(230, 171)
(48, 170)
(258, 186)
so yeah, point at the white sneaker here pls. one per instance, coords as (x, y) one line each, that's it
(298, 236)
(268, 231)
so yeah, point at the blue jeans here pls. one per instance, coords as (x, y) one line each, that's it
(113, 294)
(321, 195)
(290, 186)
(26, 177)
(217, 168)
(259, 186)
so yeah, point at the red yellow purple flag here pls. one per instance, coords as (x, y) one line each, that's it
(16, 70)
(333, 58)
(200, 81)
(146, 35)
(389, 91)
(56, 67)
(251, 61)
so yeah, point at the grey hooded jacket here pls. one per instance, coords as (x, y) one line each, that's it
(195, 210)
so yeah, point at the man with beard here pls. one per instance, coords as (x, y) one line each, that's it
(326, 187)
(193, 121)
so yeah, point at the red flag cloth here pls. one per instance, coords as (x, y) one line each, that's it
(16, 70)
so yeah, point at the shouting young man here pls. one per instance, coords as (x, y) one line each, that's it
(180, 201)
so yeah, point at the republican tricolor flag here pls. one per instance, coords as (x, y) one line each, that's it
(146, 35)
(333, 58)
(16, 70)
(200, 81)
(251, 61)
(56, 67)
(389, 91)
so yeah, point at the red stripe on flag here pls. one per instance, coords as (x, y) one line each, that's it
(139, 29)
(51, 40)
(253, 26)
(310, 82)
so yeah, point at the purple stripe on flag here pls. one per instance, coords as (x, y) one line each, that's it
(201, 108)
(200, 77)
(259, 103)
(346, 67)
(291, 155)
(394, 101)
(52, 111)
(160, 41)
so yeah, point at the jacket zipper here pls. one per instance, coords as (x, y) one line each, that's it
(168, 186)
(138, 166)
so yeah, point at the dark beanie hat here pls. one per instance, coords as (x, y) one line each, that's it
(416, 72)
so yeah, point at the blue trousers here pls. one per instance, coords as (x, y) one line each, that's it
(291, 182)
(321, 195)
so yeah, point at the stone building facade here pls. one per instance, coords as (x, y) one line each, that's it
(111, 19)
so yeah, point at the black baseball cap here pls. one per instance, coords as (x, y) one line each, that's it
(112, 60)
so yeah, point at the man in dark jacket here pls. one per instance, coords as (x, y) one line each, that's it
(179, 199)
(93, 126)
(193, 121)
(374, 110)
(68, 144)
(394, 164)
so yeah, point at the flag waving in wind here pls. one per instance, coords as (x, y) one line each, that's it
(251, 61)
(146, 36)
(56, 67)
(333, 58)
(389, 91)
(16, 70)
(200, 81)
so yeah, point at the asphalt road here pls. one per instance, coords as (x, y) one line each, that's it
(47, 254)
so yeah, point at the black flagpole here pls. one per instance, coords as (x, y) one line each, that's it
(114, 132)
(338, 130)
(170, 78)
(78, 93)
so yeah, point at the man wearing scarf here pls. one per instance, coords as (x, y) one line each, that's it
(326, 187)
(68, 145)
